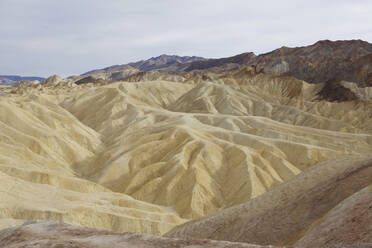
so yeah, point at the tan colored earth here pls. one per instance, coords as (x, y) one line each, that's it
(148, 156)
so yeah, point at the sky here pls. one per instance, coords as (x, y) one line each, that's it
(70, 37)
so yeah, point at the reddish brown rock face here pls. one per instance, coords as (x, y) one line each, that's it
(321, 62)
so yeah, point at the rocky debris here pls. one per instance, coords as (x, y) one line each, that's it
(53, 234)
(46, 234)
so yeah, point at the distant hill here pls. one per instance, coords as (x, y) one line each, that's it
(155, 63)
(10, 79)
(167, 63)
(240, 59)
(164, 61)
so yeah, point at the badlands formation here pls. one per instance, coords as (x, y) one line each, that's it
(236, 155)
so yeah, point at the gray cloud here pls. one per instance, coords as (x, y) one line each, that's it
(42, 37)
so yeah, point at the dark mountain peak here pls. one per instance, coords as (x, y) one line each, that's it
(323, 42)
(240, 59)
(171, 58)
(163, 56)
(163, 61)
(342, 44)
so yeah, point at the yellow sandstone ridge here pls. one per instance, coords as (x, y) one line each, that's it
(148, 156)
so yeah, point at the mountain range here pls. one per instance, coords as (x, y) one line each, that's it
(318, 63)
(349, 60)
(10, 79)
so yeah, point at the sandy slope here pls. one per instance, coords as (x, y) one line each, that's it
(284, 214)
(40, 143)
(193, 148)
(200, 149)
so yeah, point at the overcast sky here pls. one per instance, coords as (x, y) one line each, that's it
(66, 37)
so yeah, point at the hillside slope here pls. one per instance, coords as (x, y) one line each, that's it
(176, 150)
(286, 213)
